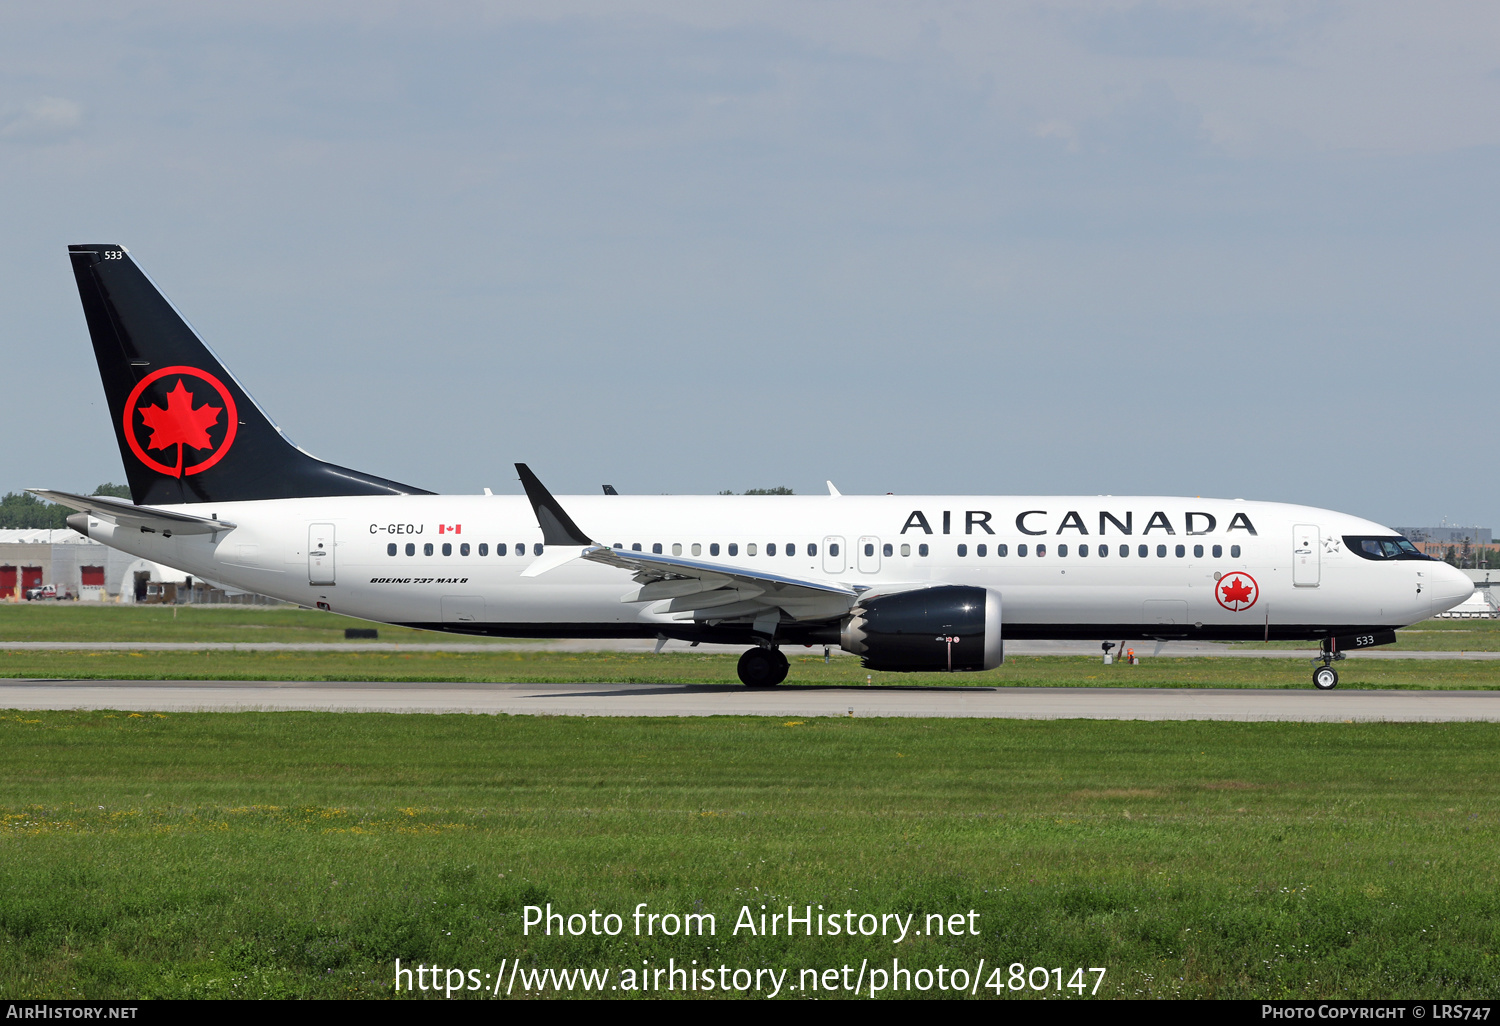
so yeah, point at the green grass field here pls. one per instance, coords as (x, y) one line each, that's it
(86, 621)
(91, 621)
(512, 661)
(1430, 636)
(269, 855)
(687, 667)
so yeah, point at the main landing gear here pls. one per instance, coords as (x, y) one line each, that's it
(763, 668)
(1325, 677)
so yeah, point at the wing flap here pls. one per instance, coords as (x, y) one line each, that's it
(702, 590)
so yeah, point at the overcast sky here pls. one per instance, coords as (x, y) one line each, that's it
(1233, 249)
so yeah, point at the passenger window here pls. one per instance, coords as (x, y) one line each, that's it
(980, 550)
(770, 549)
(411, 550)
(536, 549)
(1181, 551)
(677, 548)
(1062, 550)
(1002, 549)
(1083, 550)
(617, 545)
(463, 550)
(922, 549)
(656, 548)
(390, 550)
(1021, 549)
(1143, 551)
(963, 550)
(1218, 552)
(521, 548)
(427, 549)
(869, 548)
(1125, 551)
(697, 548)
(484, 548)
(833, 548)
(1197, 551)
(1161, 551)
(750, 549)
(713, 548)
(1103, 551)
(905, 549)
(812, 548)
(886, 548)
(1041, 550)
(447, 548)
(1234, 552)
(634, 546)
(500, 549)
(791, 548)
(734, 548)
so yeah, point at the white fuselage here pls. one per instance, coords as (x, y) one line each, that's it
(1303, 574)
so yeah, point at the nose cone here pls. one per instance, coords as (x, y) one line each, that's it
(1447, 587)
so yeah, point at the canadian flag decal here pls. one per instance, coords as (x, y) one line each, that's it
(450, 528)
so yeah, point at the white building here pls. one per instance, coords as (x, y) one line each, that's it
(79, 567)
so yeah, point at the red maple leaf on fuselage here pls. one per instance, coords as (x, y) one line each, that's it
(179, 424)
(1236, 591)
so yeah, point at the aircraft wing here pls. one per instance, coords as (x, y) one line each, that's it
(693, 590)
(128, 515)
(710, 591)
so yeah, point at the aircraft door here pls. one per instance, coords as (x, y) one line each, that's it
(1306, 555)
(834, 557)
(320, 554)
(869, 555)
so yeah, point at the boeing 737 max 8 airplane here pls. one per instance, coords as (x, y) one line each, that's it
(907, 583)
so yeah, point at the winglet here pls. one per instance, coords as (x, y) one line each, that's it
(832, 491)
(557, 527)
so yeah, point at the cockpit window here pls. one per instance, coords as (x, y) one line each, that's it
(1382, 547)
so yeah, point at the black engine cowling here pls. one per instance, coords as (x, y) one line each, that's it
(942, 628)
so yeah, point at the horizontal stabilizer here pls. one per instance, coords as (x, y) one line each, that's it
(126, 515)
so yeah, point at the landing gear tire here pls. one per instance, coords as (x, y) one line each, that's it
(1325, 678)
(762, 668)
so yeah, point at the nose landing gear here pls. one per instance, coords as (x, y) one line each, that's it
(763, 668)
(1325, 677)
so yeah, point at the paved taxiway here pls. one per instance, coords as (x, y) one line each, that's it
(793, 701)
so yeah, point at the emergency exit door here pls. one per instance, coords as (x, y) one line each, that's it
(833, 555)
(1307, 548)
(320, 554)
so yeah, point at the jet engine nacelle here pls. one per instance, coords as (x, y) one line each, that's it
(942, 628)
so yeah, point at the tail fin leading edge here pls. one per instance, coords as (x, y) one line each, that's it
(187, 431)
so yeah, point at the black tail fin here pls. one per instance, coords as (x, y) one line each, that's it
(187, 431)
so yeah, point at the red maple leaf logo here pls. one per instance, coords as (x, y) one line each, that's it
(1236, 591)
(180, 424)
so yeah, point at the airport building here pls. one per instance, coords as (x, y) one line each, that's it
(1436, 541)
(80, 568)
